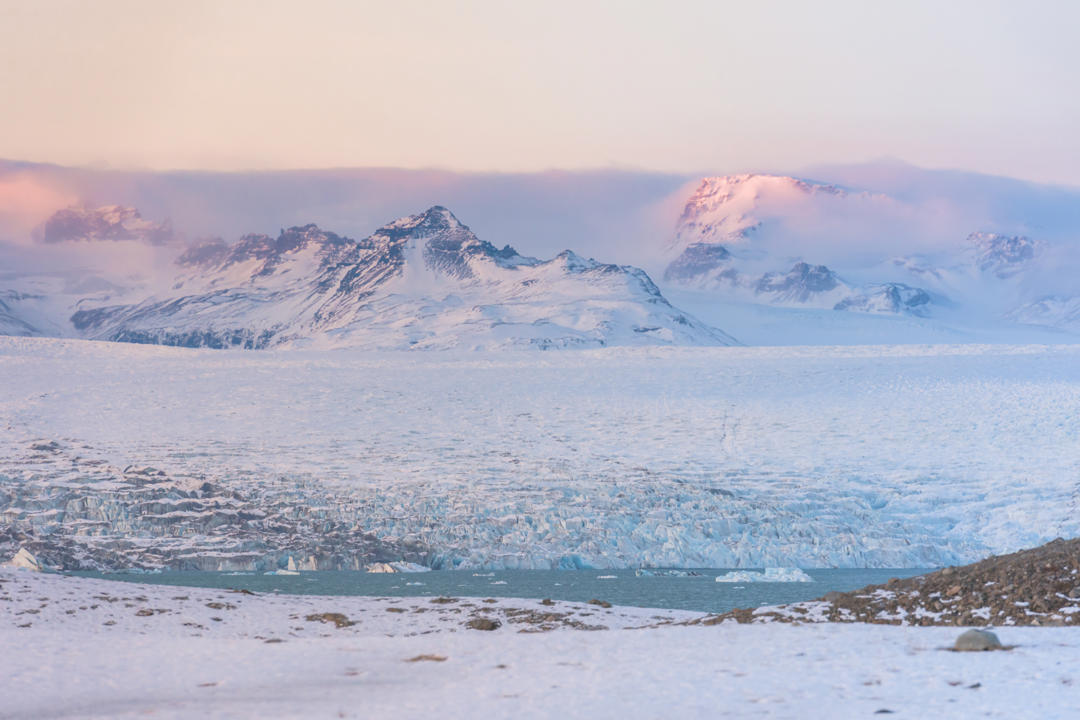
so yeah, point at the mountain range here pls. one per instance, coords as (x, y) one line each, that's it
(759, 240)
(423, 281)
(767, 259)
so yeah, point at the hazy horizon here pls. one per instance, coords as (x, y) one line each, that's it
(488, 87)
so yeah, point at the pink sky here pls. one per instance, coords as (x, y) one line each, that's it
(688, 87)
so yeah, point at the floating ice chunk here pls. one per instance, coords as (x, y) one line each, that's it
(396, 567)
(409, 567)
(381, 568)
(606, 577)
(24, 559)
(499, 582)
(290, 569)
(642, 572)
(770, 575)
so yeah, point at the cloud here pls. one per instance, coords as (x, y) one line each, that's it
(26, 201)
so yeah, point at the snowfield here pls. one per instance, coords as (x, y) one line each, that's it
(96, 649)
(624, 457)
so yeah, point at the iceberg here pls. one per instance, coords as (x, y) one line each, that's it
(645, 572)
(397, 567)
(25, 560)
(770, 575)
(289, 569)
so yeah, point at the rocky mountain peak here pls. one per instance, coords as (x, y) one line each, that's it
(725, 209)
(215, 253)
(800, 283)
(1002, 255)
(114, 223)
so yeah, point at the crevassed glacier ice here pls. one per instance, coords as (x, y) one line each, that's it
(126, 455)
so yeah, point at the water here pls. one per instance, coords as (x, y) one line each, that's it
(683, 593)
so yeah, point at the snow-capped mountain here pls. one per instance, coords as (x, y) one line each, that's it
(1055, 312)
(790, 243)
(425, 281)
(730, 209)
(1002, 255)
(722, 240)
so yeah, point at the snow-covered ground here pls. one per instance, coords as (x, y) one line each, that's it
(93, 649)
(712, 457)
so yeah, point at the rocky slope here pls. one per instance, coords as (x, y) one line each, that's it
(1040, 586)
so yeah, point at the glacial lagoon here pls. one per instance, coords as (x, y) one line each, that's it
(698, 592)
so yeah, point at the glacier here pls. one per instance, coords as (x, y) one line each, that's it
(118, 455)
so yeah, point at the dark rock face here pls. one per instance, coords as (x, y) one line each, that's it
(1031, 587)
(451, 246)
(890, 297)
(99, 318)
(215, 254)
(800, 283)
(1003, 255)
(696, 261)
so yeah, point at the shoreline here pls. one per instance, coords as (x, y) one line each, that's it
(273, 655)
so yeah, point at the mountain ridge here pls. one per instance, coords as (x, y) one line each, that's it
(421, 281)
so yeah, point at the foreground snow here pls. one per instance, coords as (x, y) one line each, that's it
(116, 660)
(677, 457)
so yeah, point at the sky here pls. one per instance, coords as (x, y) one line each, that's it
(680, 87)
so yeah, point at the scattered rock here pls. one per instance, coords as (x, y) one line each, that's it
(338, 620)
(483, 624)
(220, 606)
(443, 600)
(427, 658)
(547, 601)
(975, 640)
(1030, 587)
(601, 603)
